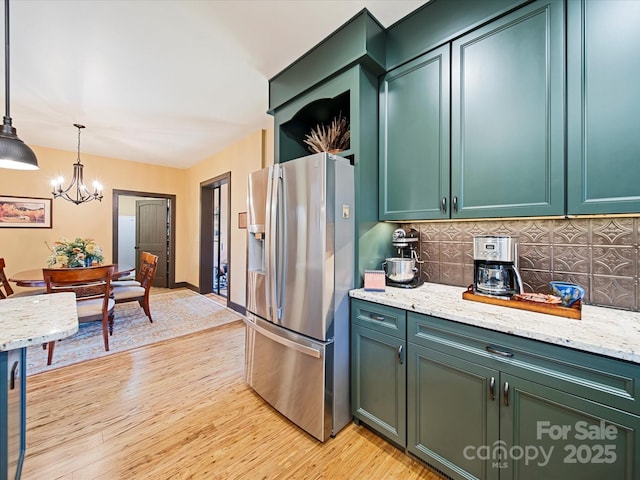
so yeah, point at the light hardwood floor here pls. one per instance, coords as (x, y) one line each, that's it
(181, 409)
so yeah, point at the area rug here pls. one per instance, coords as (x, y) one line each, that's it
(175, 313)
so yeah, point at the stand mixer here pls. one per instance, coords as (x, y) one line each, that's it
(401, 271)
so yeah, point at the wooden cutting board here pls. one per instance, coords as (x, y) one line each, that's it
(574, 312)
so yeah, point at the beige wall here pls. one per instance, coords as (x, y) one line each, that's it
(249, 154)
(25, 248)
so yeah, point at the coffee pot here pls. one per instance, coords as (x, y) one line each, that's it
(495, 260)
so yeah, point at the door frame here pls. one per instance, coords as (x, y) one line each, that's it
(206, 233)
(171, 279)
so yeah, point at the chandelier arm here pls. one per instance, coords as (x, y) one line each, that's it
(81, 189)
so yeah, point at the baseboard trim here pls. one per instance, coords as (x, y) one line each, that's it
(186, 285)
(237, 308)
(242, 310)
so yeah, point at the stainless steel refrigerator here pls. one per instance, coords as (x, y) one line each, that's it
(300, 268)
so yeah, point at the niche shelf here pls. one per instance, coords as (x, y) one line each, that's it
(321, 111)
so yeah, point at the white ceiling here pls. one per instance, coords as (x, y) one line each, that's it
(167, 82)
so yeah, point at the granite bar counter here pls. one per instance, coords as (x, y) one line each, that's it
(605, 331)
(25, 321)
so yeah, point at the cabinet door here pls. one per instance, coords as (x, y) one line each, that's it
(414, 139)
(13, 373)
(546, 433)
(453, 412)
(378, 377)
(507, 144)
(603, 74)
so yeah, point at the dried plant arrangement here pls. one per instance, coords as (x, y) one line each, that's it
(332, 138)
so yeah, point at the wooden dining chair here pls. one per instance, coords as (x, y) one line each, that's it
(146, 259)
(9, 292)
(4, 282)
(92, 286)
(138, 289)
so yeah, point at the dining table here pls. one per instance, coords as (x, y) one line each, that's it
(34, 277)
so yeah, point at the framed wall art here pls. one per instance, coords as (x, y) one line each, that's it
(25, 212)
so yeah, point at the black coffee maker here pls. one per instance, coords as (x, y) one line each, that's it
(495, 261)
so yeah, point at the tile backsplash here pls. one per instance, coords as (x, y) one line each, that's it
(601, 254)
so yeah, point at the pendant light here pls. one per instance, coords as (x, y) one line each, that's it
(14, 153)
(81, 191)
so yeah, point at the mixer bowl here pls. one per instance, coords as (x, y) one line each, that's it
(400, 270)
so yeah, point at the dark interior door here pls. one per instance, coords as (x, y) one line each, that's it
(152, 230)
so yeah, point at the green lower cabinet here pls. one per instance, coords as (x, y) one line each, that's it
(475, 404)
(546, 433)
(452, 412)
(378, 376)
(13, 419)
(471, 421)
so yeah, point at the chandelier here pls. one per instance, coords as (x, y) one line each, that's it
(77, 185)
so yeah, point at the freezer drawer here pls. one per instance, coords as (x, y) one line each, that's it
(289, 371)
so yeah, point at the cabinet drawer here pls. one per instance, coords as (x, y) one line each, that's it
(606, 380)
(388, 320)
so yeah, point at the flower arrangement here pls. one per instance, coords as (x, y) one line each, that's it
(81, 252)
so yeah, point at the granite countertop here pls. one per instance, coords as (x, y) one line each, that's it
(606, 331)
(26, 321)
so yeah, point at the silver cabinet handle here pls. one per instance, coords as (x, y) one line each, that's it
(15, 373)
(400, 357)
(379, 318)
(454, 203)
(505, 394)
(495, 351)
(443, 205)
(492, 386)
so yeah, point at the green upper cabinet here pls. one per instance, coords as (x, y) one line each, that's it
(603, 75)
(499, 150)
(414, 138)
(507, 144)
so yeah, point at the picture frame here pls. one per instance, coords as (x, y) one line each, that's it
(25, 212)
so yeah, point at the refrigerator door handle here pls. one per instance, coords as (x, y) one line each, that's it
(270, 240)
(280, 246)
(312, 352)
